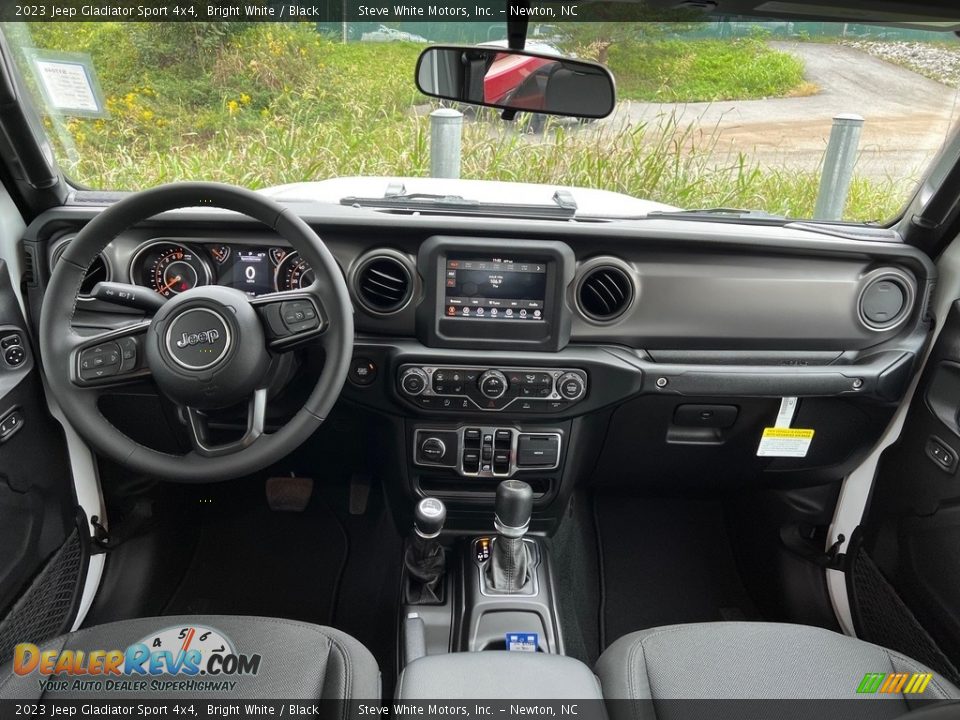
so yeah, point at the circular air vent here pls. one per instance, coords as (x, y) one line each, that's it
(605, 292)
(383, 283)
(97, 272)
(886, 299)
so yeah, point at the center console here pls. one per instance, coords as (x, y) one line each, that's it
(489, 393)
(487, 626)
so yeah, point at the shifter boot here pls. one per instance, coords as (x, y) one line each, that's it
(425, 563)
(510, 567)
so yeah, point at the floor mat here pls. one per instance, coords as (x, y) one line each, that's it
(250, 560)
(666, 561)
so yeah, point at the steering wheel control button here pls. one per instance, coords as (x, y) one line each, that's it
(363, 371)
(413, 381)
(100, 361)
(9, 341)
(198, 338)
(299, 316)
(128, 354)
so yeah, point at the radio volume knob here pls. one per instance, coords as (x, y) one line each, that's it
(571, 386)
(413, 381)
(492, 384)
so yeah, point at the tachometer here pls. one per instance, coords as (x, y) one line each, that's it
(169, 268)
(293, 273)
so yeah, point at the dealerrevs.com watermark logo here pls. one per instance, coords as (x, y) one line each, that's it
(175, 659)
(894, 683)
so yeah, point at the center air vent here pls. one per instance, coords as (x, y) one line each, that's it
(605, 292)
(383, 283)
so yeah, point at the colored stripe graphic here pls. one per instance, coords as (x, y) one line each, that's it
(871, 682)
(894, 683)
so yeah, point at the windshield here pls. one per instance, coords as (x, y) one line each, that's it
(709, 114)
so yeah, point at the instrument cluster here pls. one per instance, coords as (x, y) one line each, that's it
(170, 267)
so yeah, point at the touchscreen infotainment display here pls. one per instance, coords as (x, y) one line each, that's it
(495, 289)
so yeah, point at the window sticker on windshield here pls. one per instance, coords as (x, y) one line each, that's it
(68, 83)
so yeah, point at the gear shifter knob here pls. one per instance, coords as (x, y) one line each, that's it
(428, 518)
(513, 508)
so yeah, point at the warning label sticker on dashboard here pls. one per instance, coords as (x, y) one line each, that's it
(785, 442)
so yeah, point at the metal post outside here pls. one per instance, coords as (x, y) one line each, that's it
(838, 163)
(446, 126)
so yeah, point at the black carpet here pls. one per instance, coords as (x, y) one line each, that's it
(250, 560)
(666, 561)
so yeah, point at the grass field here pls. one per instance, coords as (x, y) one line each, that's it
(705, 70)
(269, 104)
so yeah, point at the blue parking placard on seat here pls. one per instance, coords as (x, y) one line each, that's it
(523, 642)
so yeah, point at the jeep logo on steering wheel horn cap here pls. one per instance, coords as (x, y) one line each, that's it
(204, 336)
(198, 338)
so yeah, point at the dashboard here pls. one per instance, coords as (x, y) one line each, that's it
(485, 346)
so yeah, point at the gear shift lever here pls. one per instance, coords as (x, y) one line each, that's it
(509, 569)
(429, 517)
(424, 558)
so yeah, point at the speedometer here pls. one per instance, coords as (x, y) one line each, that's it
(169, 268)
(294, 273)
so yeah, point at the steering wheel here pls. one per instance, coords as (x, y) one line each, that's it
(208, 348)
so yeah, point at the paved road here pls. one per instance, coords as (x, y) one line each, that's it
(907, 115)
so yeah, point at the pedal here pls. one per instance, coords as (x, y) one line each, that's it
(359, 494)
(289, 494)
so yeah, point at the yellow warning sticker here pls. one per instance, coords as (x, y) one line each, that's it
(785, 442)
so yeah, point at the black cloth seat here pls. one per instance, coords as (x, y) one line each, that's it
(753, 661)
(297, 660)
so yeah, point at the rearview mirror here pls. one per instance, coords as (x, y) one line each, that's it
(516, 80)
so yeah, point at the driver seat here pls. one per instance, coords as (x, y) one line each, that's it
(297, 660)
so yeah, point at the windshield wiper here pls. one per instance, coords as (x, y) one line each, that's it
(563, 207)
(721, 213)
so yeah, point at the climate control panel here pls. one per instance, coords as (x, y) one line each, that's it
(471, 388)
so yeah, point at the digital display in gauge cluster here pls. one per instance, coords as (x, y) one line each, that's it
(249, 270)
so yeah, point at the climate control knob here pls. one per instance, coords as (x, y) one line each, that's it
(492, 384)
(413, 381)
(571, 386)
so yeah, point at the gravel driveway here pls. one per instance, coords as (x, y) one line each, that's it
(907, 115)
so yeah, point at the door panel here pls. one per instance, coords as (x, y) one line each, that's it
(37, 507)
(912, 528)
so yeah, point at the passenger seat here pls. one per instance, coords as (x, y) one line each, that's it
(748, 660)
